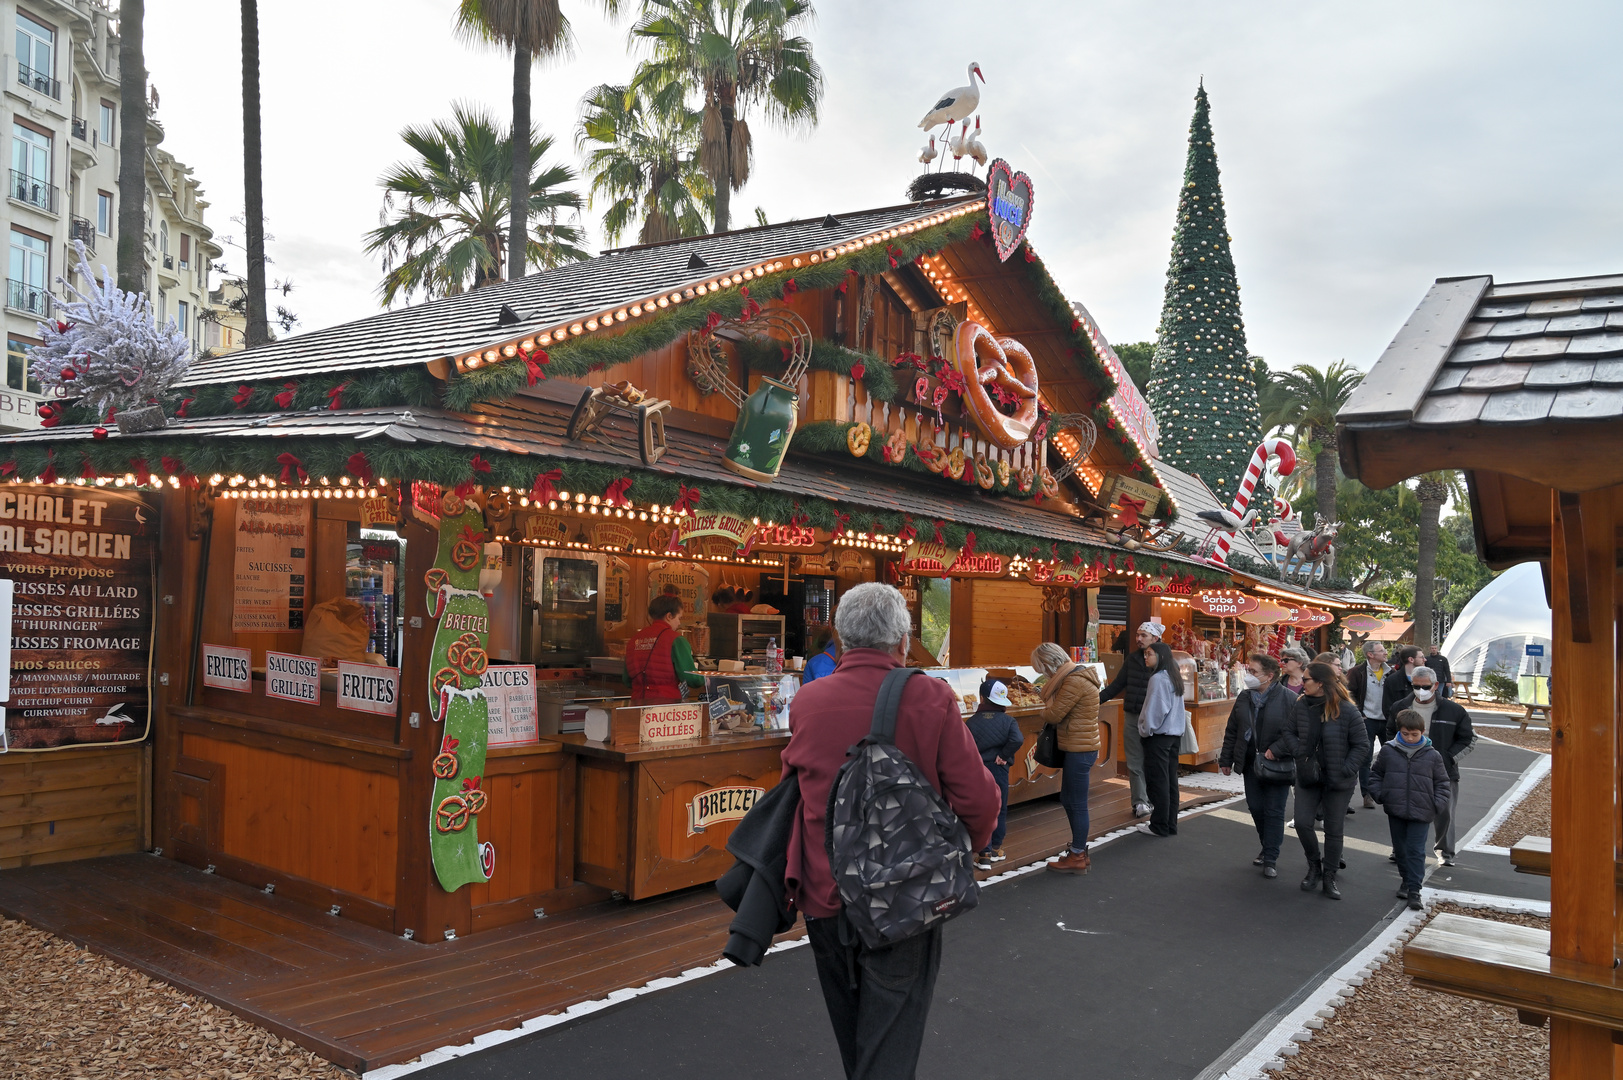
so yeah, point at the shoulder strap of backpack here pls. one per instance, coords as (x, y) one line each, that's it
(885, 705)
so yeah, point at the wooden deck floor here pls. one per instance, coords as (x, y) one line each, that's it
(363, 998)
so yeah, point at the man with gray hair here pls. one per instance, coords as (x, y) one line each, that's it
(1365, 686)
(878, 999)
(1449, 727)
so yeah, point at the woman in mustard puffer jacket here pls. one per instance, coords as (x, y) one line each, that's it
(1071, 703)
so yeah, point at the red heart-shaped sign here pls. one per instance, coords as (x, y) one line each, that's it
(1009, 199)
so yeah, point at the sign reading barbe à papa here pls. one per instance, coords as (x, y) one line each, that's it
(720, 804)
(671, 723)
(368, 688)
(293, 678)
(227, 668)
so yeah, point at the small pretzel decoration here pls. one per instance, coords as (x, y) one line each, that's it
(983, 473)
(436, 578)
(1027, 478)
(1050, 484)
(451, 504)
(1004, 473)
(445, 766)
(983, 361)
(473, 795)
(444, 677)
(465, 554)
(857, 439)
(896, 447)
(955, 463)
(451, 815)
(933, 456)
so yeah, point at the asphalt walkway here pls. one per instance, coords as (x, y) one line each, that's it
(1153, 966)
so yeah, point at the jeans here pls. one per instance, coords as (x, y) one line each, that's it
(1309, 801)
(1444, 824)
(1000, 773)
(1161, 778)
(1409, 845)
(878, 999)
(1376, 729)
(1135, 758)
(1073, 794)
(1266, 801)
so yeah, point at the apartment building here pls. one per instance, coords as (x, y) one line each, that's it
(59, 84)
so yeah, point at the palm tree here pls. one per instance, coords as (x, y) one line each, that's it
(253, 180)
(643, 157)
(132, 148)
(1431, 492)
(1310, 401)
(448, 234)
(733, 54)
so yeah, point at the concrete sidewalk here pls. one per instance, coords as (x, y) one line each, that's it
(1153, 966)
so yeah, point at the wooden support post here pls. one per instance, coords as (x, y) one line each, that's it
(1583, 716)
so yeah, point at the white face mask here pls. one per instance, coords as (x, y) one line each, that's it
(1424, 693)
(1251, 681)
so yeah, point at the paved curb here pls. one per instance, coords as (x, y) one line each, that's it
(1535, 772)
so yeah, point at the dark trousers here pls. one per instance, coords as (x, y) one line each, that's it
(1409, 845)
(878, 999)
(1309, 801)
(1161, 779)
(1074, 778)
(1000, 773)
(1266, 801)
(1376, 729)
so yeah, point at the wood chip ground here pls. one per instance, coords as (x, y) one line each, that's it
(1531, 739)
(1390, 1030)
(1530, 817)
(69, 1014)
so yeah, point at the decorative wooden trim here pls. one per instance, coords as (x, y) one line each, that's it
(291, 739)
(1572, 536)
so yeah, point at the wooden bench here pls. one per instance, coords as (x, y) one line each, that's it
(1535, 712)
(1511, 965)
(1531, 855)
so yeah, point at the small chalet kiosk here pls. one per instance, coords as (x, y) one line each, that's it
(1521, 385)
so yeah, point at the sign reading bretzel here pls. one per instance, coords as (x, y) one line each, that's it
(1000, 379)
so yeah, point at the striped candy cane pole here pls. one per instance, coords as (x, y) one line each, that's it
(1277, 448)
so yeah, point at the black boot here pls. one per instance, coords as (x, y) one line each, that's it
(1315, 870)
(1330, 889)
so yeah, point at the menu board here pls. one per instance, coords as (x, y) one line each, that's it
(81, 560)
(272, 538)
(689, 581)
(510, 690)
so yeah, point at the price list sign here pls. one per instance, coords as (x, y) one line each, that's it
(272, 544)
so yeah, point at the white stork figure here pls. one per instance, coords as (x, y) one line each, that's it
(959, 145)
(956, 104)
(974, 147)
(928, 154)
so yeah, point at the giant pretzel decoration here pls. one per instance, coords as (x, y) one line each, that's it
(985, 361)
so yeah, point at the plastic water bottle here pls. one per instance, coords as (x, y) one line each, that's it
(774, 658)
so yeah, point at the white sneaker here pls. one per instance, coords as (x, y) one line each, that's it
(1142, 809)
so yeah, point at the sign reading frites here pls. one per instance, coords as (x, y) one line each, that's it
(1223, 605)
(978, 564)
(227, 668)
(510, 690)
(925, 558)
(291, 677)
(612, 536)
(699, 523)
(720, 804)
(368, 688)
(671, 723)
(785, 538)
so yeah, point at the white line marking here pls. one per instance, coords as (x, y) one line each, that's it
(1069, 930)
(1536, 771)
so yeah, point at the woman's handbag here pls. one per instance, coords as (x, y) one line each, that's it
(1309, 770)
(1275, 770)
(1047, 752)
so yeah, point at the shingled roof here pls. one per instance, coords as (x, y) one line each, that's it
(440, 328)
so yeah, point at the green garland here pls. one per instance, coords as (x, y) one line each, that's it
(878, 373)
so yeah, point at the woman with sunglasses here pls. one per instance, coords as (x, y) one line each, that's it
(1331, 746)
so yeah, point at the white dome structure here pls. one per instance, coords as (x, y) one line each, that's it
(1495, 628)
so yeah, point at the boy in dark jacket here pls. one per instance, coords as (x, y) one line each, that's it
(998, 737)
(1410, 779)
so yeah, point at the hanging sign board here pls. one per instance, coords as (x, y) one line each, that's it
(1009, 199)
(291, 677)
(227, 668)
(1160, 586)
(80, 564)
(1308, 618)
(1362, 624)
(689, 581)
(979, 564)
(1224, 605)
(268, 590)
(1116, 485)
(545, 527)
(368, 688)
(510, 690)
(786, 538)
(720, 804)
(378, 512)
(612, 536)
(1072, 576)
(925, 558)
(1266, 612)
(730, 527)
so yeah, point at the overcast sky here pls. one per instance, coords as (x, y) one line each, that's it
(1366, 149)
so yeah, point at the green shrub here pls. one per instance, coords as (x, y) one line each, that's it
(1500, 683)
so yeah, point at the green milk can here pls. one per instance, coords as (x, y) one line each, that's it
(761, 436)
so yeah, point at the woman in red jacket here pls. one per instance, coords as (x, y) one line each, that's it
(659, 660)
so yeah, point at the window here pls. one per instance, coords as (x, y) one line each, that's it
(26, 276)
(185, 251)
(36, 48)
(163, 237)
(163, 306)
(183, 312)
(17, 376)
(31, 167)
(104, 213)
(105, 128)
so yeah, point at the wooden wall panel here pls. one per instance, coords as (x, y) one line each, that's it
(317, 820)
(72, 804)
(1008, 622)
(602, 824)
(521, 820)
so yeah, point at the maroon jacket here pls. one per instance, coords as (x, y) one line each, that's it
(831, 715)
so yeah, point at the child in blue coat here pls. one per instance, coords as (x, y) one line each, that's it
(1410, 779)
(998, 737)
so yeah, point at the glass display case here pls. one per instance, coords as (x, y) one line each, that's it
(1213, 681)
(372, 579)
(746, 704)
(966, 685)
(565, 607)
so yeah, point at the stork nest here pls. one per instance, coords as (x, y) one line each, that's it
(935, 185)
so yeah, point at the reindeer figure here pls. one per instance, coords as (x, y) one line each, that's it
(1312, 554)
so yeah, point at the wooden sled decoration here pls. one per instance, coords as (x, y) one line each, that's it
(597, 403)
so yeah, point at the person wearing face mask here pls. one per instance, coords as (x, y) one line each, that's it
(1448, 726)
(1259, 727)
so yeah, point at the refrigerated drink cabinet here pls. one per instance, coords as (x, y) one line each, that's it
(563, 623)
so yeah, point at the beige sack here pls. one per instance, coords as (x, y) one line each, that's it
(337, 629)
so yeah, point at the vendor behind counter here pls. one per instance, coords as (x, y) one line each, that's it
(659, 660)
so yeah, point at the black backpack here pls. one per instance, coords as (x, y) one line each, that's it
(900, 857)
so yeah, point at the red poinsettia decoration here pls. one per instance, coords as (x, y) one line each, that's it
(284, 400)
(544, 490)
(290, 465)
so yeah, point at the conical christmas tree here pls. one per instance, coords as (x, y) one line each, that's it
(1201, 383)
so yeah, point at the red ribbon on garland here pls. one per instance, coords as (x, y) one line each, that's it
(840, 522)
(138, 466)
(938, 525)
(969, 542)
(907, 532)
(284, 400)
(174, 466)
(1076, 558)
(686, 499)
(712, 321)
(359, 467)
(975, 233)
(751, 308)
(289, 465)
(335, 396)
(616, 495)
(244, 394)
(544, 489)
(8, 468)
(479, 464)
(790, 288)
(182, 412)
(49, 475)
(87, 470)
(858, 370)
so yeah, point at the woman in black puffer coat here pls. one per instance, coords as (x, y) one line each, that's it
(1330, 744)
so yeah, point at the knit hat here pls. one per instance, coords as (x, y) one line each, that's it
(1155, 628)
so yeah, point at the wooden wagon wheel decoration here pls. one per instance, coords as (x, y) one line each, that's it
(452, 814)
(709, 366)
(1000, 366)
(1073, 436)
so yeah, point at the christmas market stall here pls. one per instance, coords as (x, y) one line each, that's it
(494, 606)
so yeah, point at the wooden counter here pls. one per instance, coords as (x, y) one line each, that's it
(1029, 780)
(1211, 719)
(636, 807)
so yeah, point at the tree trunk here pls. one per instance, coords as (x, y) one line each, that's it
(1324, 475)
(253, 181)
(132, 148)
(724, 181)
(518, 217)
(1431, 495)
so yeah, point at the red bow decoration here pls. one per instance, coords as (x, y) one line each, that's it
(182, 412)
(87, 470)
(969, 543)
(751, 308)
(174, 466)
(50, 415)
(359, 467)
(465, 489)
(532, 368)
(49, 475)
(449, 744)
(840, 522)
(797, 518)
(98, 433)
(1129, 564)
(1076, 558)
(479, 464)
(284, 400)
(1111, 566)
(471, 783)
(1031, 256)
(1130, 509)
(289, 465)
(9, 468)
(138, 466)
(335, 396)
(849, 274)
(1076, 324)
(686, 499)
(544, 490)
(975, 233)
(712, 321)
(938, 525)
(243, 395)
(896, 255)
(790, 288)
(472, 537)
(858, 370)
(907, 532)
(616, 495)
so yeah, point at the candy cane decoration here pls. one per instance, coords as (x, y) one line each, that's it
(1278, 448)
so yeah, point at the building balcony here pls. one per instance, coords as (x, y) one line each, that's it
(81, 130)
(32, 299)
(33, 191)
(39, 82)
(83, 229)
